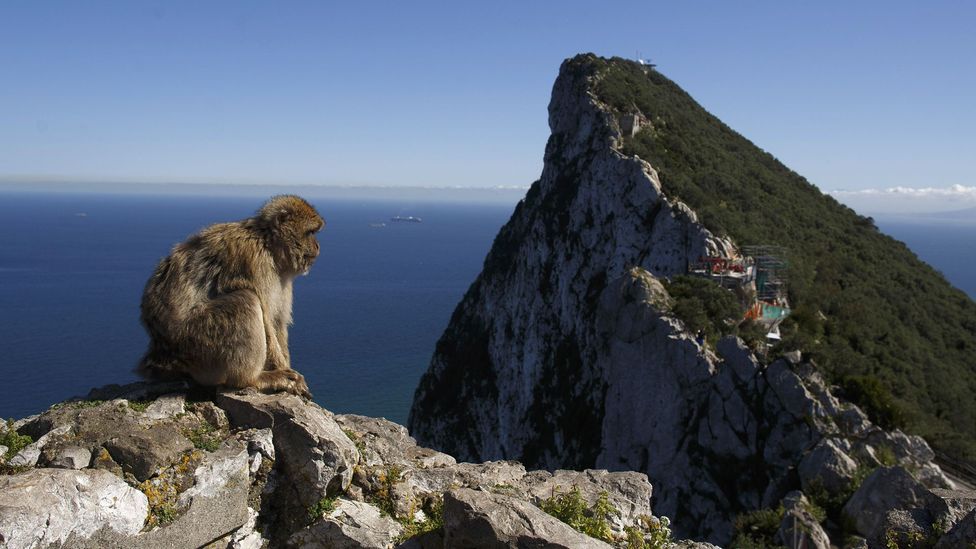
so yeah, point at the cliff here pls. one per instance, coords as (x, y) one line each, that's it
(166, 465)
(565, 351)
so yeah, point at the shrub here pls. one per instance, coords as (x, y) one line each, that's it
(757, 529)
(571, 508)
(702, 305)
(14, 441)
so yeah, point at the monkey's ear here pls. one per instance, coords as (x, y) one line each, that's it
(282, 216)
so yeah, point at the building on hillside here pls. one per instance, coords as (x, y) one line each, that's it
(759, 277)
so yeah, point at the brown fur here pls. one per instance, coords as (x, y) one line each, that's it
(217, 310)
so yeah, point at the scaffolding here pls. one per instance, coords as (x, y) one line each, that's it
(759, 277)
(771, 276)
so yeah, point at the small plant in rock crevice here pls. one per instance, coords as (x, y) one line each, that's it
(571, 508)
(324, 506)
(14, 441)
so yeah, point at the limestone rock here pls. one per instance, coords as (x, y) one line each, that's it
(247, 537)
(909, 528)
(627, 492)
(30, 454)
(142, 452)
(963, 534)
(317, 456)
(259, 441)
(212, 414)
(351, 525)
(887, 489)
(828, 466)
(799, 528)
(165, 407)
(390, 443)
(564, 352)
(474, 520)
(951, 505)
(71, 457)
(45, 507)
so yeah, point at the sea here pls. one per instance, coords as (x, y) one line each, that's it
(367, 316)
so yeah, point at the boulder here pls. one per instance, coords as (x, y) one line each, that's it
(828, 465)
(142, 452)
(799, 528)
(909, 529)
(315, 454)
(952, 505)
(71, 457)
(165, 407)
(213, 415)
(627, 492)
(45, 507)
(963, 534)
(247, 536)
(351, 525)
(886, 489)
(475, 520)
(30, 454)
(390, 443)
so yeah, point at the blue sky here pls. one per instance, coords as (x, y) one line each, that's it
(853, 95)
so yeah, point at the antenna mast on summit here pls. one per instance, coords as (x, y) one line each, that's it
(646, 63)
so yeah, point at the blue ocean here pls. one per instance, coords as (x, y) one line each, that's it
(367, 317)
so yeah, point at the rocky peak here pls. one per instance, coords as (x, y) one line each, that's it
(564, 353)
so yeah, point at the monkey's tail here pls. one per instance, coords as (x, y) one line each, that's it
(161, 366)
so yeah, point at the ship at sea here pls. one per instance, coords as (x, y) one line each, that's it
(407, 219)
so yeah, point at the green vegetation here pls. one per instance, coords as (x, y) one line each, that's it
(324, 506)
(653, 534)
(757, 530)
(704, 306)
(139, 405)
(383, 496)
(826, 505)
(865, 307)
(434, 512)
(356, 440)
(571, 508)
(13, 441)
(874, 399)
(163, 491)
(204, 436)
(77, 404)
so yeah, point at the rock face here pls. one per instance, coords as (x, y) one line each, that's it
(483, 520)
(563, 352)
(46, 507)
(254, 470)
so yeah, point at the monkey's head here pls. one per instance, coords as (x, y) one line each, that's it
(290, 224)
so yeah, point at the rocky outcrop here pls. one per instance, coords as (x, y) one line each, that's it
(187, 467)
(45, 507)
(799, 527)
(484, 520)
(564, 351)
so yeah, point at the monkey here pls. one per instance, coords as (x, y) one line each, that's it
(218, 308)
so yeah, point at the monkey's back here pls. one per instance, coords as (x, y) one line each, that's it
(219, 259)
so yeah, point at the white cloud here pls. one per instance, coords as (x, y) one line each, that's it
(908, 199)
(952, 191)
